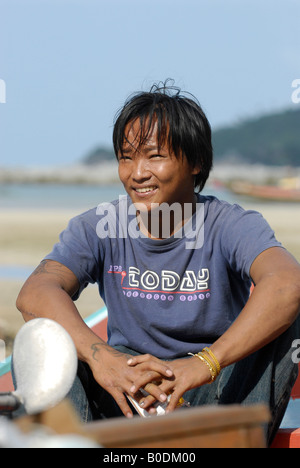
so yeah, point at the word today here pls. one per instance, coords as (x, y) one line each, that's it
(2, 92)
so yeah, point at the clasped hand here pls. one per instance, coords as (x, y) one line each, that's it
(173, 378)
(128, 374)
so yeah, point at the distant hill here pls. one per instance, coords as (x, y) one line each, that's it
(272, 139)
(99, 155)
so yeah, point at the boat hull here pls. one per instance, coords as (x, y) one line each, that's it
(266, 192)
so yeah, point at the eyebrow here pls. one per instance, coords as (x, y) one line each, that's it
(146, 148)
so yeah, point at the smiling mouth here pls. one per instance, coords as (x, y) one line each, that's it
(145, 189)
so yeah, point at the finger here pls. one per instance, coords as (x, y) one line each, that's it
(165, 389)
(145, 402)
(151, 365)
(133, 360)
(174, 401)
(156, 393)
(122, 402)
(146, 378)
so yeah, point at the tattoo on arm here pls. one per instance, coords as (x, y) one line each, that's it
(65, 277)
(96, 348)
(48, 267)
(29, 314)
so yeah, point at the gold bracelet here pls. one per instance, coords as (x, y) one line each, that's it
(209, 351)
(212, 368)
(210, 365)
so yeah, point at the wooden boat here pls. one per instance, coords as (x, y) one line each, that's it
(286, 438)
(266, 192)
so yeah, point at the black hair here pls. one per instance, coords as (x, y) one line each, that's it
(180, 121)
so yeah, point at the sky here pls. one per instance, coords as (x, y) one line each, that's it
(67, 66)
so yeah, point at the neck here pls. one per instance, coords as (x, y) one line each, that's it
(164, 220)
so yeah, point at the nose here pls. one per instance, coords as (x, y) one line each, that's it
(140, 170)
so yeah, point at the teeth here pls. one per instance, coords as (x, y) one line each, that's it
(146, 189)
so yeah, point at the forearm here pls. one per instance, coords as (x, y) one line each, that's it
(53, 302)
(269, 311)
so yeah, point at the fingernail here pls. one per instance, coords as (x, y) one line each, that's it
(133, 389)
(162, 397)
(130, 361)
(169, 372)
(129, 415)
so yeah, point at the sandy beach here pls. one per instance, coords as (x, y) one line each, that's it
(27, 236)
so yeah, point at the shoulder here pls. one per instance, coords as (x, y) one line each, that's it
(235, 225)
(224, 211)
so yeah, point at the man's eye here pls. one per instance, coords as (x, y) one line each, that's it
(124, 158)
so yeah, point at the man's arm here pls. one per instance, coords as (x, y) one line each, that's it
(48, 293)
(271, 309)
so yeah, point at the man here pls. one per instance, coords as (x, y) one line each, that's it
(174, 269)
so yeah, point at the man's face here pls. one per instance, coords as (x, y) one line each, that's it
(155, 176)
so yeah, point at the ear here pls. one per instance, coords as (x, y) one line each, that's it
(196, 170)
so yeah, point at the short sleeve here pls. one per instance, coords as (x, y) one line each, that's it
(79, 249)
(246, 234)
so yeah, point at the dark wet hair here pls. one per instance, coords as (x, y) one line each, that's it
(180, 121)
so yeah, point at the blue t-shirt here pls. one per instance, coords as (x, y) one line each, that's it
(173, 296)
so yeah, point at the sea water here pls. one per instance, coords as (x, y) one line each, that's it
(56, 196)
(78, 196)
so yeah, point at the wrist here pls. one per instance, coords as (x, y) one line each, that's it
(211, 362)
(89, 346)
